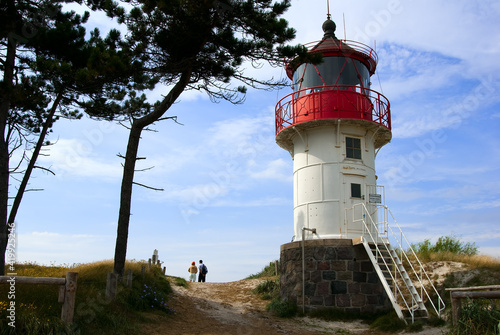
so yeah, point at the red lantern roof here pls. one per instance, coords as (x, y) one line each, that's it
(331, 46)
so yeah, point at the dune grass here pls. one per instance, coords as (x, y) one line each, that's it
(268, 271)
(38, 312)
(472, 262)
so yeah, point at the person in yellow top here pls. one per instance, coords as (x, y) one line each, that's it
(193, 270)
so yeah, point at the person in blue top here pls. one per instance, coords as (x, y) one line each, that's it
(202, 273)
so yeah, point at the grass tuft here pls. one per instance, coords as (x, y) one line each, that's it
(179, 281)
(388, 323)
(415, 327)
(268, 289)
(478, 317)
(334, 314)
(268, 271)
(282, 308)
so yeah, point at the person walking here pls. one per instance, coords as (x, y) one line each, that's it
(203, 270)
(193, 270)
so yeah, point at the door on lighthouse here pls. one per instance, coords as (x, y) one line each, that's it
(354, 189)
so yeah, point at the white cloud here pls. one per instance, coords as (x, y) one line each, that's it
(75, 157)
(407, 71)
(481, 205)
(244, 136)
(277, 169)
(202, 194)
(263, 202)
(222, 160)
(406, 194)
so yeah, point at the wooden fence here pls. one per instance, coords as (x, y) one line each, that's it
(113, 278)
(67, 290)
(457, 294)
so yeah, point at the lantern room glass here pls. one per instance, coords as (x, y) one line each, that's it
(332, 71)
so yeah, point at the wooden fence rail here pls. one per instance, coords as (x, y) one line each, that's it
(456, 294)
(67, 290)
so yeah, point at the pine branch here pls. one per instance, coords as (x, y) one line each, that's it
(45, 169)
(151, 188)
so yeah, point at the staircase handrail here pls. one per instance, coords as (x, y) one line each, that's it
(420, 278)
(397, 287)
(389, 227)
(367, 230)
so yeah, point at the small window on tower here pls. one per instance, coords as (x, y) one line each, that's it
(355, 190)
(353, 147)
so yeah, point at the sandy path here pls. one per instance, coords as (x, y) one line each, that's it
(231, 309)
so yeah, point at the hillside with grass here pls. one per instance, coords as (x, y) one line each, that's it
(153, 296)
(38, 310)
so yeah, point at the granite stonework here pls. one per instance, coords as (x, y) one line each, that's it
(338, 275)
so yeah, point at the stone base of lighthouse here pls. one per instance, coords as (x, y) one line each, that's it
(338, 275)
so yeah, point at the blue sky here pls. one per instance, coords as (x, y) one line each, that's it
(227, 195)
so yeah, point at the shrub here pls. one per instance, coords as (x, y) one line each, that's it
(388, 323)
(148, 297)
(282, 308)
(445, 245)
(455, 246)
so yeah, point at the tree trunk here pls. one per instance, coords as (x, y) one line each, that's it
(6, 88)
(4, 198)
(129, 168)
(34, 157)
(126, 198)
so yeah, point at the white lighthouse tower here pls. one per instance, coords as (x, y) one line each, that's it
(333, 124)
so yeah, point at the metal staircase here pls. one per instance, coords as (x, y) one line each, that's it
(400, 271)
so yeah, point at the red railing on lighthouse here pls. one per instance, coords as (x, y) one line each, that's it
(332, 102)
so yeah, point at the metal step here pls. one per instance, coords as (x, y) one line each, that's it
(385, 261)
(392, 273)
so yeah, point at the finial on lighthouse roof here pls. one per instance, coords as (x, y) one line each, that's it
(329, 28)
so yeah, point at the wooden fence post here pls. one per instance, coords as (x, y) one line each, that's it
(111, 283)
(456, 308)
(276, 268)
(68, 309)
(155, 256)
(456, 294)
(67, 290)
(143, 270)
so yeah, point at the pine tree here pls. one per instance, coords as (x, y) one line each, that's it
(51, 70)
(198, 45)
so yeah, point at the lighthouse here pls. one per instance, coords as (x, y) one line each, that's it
(333, 125)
